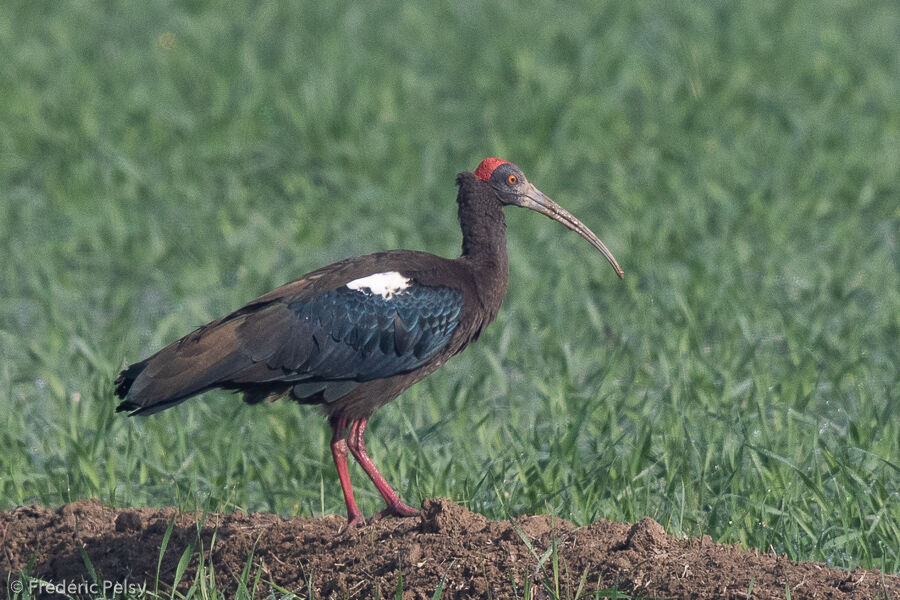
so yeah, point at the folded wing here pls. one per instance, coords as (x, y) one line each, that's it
(321, 346)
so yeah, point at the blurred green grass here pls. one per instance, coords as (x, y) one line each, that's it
(162, 163)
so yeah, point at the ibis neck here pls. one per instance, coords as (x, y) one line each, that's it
(482, 223)
(483, 247)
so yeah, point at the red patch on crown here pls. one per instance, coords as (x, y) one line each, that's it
(487, 166)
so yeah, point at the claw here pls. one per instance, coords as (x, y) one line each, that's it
(398, 509)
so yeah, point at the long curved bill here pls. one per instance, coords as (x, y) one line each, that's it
(537, 201)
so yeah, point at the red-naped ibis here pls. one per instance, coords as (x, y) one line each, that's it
(352, 336)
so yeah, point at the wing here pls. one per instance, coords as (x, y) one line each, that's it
(351, 334)
(320, 346)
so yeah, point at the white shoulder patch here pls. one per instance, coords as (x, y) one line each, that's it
(384, 284)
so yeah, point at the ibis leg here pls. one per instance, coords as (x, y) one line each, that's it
(395, 506)
(339, 452)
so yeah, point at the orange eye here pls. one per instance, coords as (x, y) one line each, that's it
(512, 180)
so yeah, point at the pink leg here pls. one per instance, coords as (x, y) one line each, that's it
(339, 452)
(395, 506)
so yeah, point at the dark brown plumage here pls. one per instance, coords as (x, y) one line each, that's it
(354, 335)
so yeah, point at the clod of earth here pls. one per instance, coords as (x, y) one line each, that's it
(475, 556)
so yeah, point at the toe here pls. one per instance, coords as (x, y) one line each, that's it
(396, 509)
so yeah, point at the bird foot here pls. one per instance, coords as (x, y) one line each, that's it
(396, 509)
(355, 522)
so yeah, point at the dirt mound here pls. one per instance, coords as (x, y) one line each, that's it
(475, 557)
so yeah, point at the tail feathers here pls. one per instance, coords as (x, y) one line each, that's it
(163, 381)
(200, 361)
(125, 381)
(140, 404)
(215, 356)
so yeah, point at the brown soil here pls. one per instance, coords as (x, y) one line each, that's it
(478, 558)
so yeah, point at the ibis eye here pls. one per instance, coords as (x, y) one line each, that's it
(512, 180)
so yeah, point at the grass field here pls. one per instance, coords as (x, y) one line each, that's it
(162, 163)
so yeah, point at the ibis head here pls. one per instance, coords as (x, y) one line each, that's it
(513, 188)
